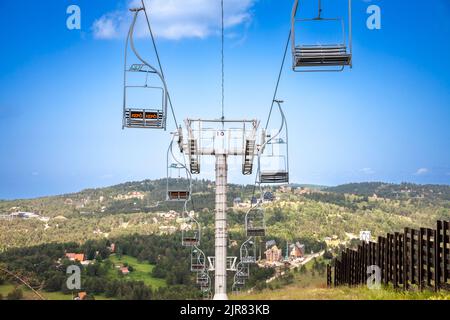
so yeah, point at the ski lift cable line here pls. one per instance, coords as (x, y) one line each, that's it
(223, 61)
(279, 78)
(159, 62)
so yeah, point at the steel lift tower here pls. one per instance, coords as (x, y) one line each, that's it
(221, 139)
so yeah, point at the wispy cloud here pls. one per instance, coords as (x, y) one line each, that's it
(175, 19)
(368, 171)
(422, 171)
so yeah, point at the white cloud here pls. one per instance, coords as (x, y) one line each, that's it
(367, 171)
(422, 171)
(175, 19)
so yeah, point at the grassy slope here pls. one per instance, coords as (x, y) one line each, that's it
(293, 292)
(142, 271)
(313, 287)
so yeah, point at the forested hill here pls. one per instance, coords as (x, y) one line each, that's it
(394, 191)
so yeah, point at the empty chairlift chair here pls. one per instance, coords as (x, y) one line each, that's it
(255, 225)
(316, 57)
(198, 261)
(191, 233)
(248, 252)
(178, 176)
(273, 159)
(144, 105)
(203, 279)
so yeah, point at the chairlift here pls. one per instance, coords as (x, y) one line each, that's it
(321, 57)
(178, 182)
(273, 158)
(203, 279)
(255, 225)
(242, 272)
(137, 112)
(248, 252)
(236, 288)
(191, 233)
(198, 260)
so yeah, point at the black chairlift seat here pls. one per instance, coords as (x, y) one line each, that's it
(197, 267)
(190, 241)
(256, 232)
(274, 177)
(322, 55)
(178, 195)
(144, 118)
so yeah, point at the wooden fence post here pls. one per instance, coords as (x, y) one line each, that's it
(406, 251)
(420, 257)
(394, 260)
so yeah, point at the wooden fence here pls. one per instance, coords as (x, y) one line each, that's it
(414, 258)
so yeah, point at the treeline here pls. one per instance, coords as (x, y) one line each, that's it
(395, 191)
(340, 199)
(45, 266)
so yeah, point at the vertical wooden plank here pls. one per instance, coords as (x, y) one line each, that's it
(420, 257)
(445, 251)
(399, 257)
(428, 255)
(413, 260)
(343, 267)
(328, 276)
(388, 259)
(440, 252)
(394, 260)
(437, 263)
(336, 272)
(378, 255)
(406, 251)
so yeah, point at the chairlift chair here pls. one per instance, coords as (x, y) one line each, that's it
(248, 252)
(151, 115)
(203, 279)
(236, 288)
(321, 57)
(273, 159)
(255, 225)
(198, 261)
(242, 271)
(178, 187)
(191, 234)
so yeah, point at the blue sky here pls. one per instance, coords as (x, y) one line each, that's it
(61, 92)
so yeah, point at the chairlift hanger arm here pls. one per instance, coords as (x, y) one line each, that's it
(131, 39)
